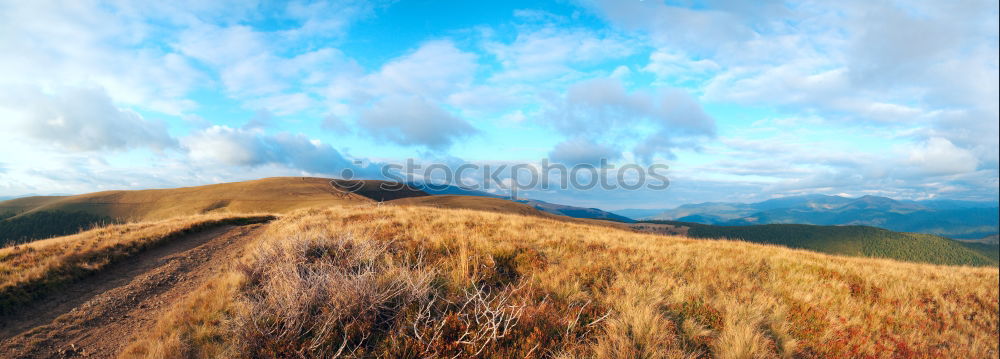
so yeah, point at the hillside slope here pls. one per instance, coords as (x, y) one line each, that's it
(859, 241)
(396, 281)
(493, 204)
(83, 295)
(553, 208)
(575, 212)
(41, 217)
(471, 202)
(274, 195)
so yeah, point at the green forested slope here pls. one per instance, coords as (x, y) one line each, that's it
(854, 241)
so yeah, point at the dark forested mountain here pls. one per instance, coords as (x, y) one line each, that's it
(956, 219)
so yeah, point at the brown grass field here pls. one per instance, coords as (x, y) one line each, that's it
(496, 205)
(413, 282)
(268, 195)
(38, 268)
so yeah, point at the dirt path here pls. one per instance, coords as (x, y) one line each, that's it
(98, 316)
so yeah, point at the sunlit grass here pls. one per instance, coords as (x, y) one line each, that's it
(576, 290)
(34, 269)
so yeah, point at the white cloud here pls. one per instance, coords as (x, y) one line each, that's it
(661, 120)
(581, 151)
(553, 52)
(702, 31)
(82, 119)
(926, 65)
(254, 148)
(250, 68)
(679, 68)
(434, 70)
(403, 102)
(938, 156)
(107, 46)
(413, 121)
(327, 18)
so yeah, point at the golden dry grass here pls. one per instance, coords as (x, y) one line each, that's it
(583, 291)
(268, 195)
(496, 205)
(471, 202)
(36, 268)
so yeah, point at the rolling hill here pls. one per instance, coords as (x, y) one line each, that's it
(31, 218)
(498, 205)
(489, 204)
(44, 216)
(36, 217)
(859, 241)
(405, 281)
(278, 195)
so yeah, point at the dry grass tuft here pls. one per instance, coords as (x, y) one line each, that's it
(317, 296)
(422, 282)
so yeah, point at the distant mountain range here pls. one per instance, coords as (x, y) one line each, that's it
(950, 218)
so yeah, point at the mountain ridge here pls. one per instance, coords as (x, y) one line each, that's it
(952, 218)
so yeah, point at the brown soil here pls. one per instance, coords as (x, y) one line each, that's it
(98, 316)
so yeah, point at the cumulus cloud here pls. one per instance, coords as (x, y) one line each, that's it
(434, 70)
(79, 119)
(251, 148)
(323, 18)
(919, 67)
(603, 108)
(413, 121)
(250, 68)
(581, 151)
(108, 47)
(938, 156)
(703, 30)
(404, 101)
(679, 68)
(553, 52)
(335, 124)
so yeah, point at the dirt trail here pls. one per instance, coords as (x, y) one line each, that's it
(97, 317)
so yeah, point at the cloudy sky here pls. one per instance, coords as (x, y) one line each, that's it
(743, 102)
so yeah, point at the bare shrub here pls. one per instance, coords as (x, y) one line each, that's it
(479, 320)
(322, 297)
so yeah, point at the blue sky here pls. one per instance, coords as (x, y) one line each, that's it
(744, 101)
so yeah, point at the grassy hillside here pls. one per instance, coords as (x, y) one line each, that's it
(39, 268)
(498, 205)
(269, 195)
(852, 241)
(42, 217)
(20, 205)
(35, 225)
(394, 281)
(471, 202)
